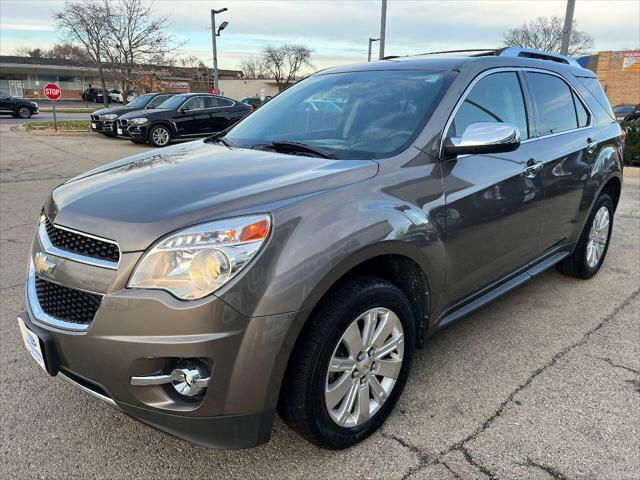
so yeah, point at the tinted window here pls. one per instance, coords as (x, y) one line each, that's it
(553, 102)
(215, 102)
(367, 114)
(581, 112)
(175, 101)
(624, 109)
(195, 103)
(495, 98)
(159, 100)
(595, 89)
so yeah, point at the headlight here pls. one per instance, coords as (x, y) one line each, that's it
(35, 104)
(108, 116)
(197, 261)
(138, 121)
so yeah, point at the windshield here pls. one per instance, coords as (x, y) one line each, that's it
(369, 114)
(140, 101)
(174, 102)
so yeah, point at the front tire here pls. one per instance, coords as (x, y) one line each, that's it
(587, 258)
(23, 112)
(160, 136)
(350, 364)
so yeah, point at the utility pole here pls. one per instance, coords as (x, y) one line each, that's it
(383, 27)
(566, 30)
(371, 40)
(214, 34)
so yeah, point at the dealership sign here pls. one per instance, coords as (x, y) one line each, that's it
(52, 91)
(631, 61)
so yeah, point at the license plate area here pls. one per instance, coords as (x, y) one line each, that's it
(93, 125)
(40, 345)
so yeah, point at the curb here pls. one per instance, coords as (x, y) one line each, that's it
(633, 172)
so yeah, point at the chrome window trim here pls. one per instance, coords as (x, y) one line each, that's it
(486, 73)
(75, 257)
(88, 391)
(40, 316)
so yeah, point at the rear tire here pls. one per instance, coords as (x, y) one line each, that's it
(587, 258)
(340, 386)
(23, 112)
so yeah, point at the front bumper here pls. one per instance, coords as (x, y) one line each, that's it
(103, 126)
(148, 332)
(138, 133)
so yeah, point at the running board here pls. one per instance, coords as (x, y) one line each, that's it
(493, 292)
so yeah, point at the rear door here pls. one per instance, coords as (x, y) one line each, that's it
(219, 114)
(493, 209)
(567, 144)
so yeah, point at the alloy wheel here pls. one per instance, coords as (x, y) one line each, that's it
(24, 112)
(598, 237)
(364, 367)
(160, 136)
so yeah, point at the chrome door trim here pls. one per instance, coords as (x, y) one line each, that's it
(481, 75)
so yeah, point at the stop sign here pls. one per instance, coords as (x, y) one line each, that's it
(52, 91)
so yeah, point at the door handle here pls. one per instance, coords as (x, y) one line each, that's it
(532, 168)
(591, 145)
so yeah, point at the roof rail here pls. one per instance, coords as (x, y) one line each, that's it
(537, 54)
(481, 52)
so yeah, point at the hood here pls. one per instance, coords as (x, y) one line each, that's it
(116, 110)
(146, 113)
(137, 200)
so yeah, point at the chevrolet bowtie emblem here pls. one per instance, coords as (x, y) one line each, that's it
(42, 265)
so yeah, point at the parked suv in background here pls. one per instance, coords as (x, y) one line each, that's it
(188, 115)
(627, 112)
(92, 95)
(296, 261)
(17, 107)
(104, 120)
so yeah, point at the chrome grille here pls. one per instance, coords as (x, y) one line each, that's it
(123, 122)
(81, 244)
(65, 303)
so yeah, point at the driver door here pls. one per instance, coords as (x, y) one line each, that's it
(493, 208)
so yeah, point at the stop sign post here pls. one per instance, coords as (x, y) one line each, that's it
(53, 93)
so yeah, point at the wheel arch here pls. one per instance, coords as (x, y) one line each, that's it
(163, 123)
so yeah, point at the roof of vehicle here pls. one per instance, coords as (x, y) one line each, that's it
(455, 59)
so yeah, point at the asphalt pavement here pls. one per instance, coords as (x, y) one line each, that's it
(544, 383)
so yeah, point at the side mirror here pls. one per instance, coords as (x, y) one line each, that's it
(484, 137)
(183, 109)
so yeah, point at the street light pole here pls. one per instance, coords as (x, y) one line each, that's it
(566, 30)
(214, 34)
(371, 40)
(383, 27)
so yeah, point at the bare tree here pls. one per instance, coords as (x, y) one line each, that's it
(253, 67)
(30, 52)
(285, 62)
(67, 51)
(86, 23)
(545, 33)
(136, 37)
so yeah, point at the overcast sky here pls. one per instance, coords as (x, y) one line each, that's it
(337, 31)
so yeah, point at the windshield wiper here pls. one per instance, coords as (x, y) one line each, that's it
(224, 141)
(287, 146)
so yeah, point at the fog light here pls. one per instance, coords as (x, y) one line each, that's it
(188, 381)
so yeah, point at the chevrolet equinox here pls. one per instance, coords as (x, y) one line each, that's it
(294, 262)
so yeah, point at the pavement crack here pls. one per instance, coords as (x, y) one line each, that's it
(423, 457)
(616, 365)
(484, 470)
(451, 470)
(553, 473)
(460, 445)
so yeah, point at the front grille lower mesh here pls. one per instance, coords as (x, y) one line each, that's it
(65, 303)
(81, 244)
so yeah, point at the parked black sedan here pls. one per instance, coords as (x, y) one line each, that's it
(187, 115)
(104, 120)
(17, 107)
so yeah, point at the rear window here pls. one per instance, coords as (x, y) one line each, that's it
(553, 101)
(595, 89)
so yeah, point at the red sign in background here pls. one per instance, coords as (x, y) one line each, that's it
(52, 91)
